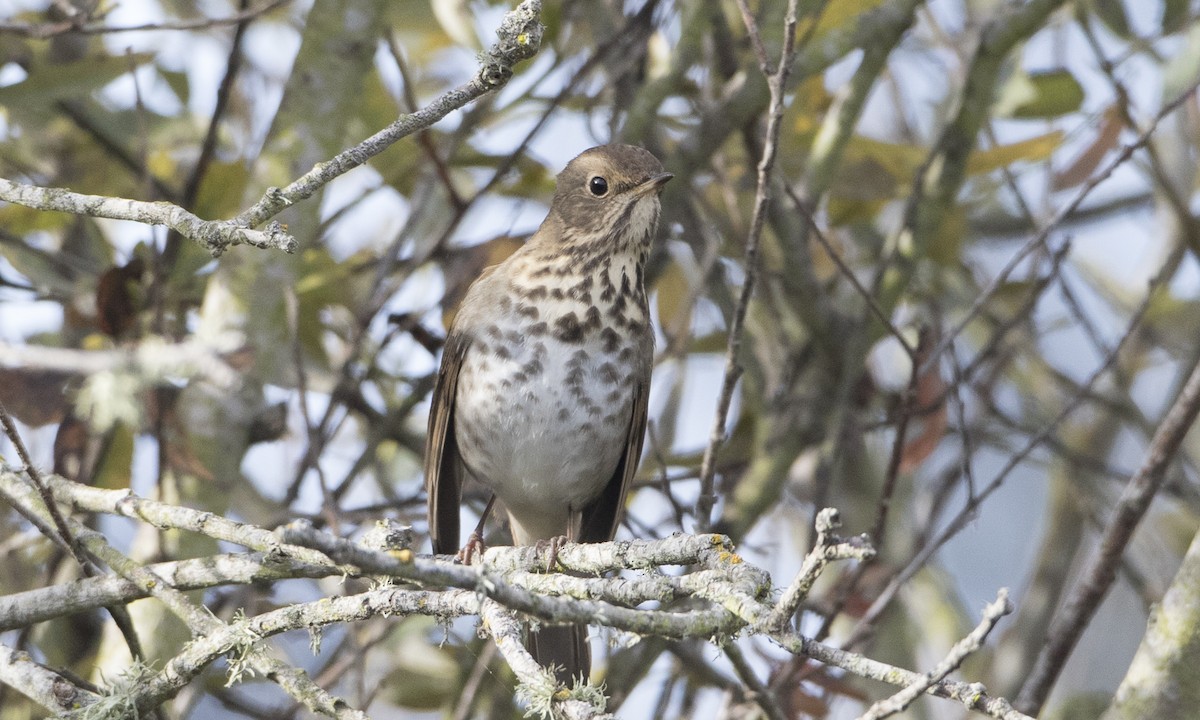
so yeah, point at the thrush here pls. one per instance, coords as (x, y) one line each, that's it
(541, 395)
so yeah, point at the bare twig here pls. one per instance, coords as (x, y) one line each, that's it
(971, 506)
(828, 548)
(1062, 215)
(971, 643)
(519, 38)
(1101, 569)
(35, 475)
(777, 81)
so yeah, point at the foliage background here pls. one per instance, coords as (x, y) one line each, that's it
(939, 146)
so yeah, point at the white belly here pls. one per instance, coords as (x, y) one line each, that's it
(542, 422)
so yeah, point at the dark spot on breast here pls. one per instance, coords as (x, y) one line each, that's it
(557, 293)
(502, 352)
(611, 340)
(592, 318)
(520, 378)
(529, 311)
(578, 358)
(626, 354)
(608, 373)
(564, 414)
(538, 328)
(568, 329)
(533, 367)
(617, 309)
(494, 333)
(534, 293)
(505, 303)
(613, 395)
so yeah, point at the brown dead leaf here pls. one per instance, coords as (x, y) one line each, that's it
(928, 408)
(1083, 166)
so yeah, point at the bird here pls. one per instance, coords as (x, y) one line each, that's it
(541, 395)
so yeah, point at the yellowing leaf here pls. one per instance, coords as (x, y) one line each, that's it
(837, 14)
(1031, 150)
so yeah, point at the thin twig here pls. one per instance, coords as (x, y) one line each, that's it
(35, 475)
(777, 81)
(970, 644)
(846, 272)
(1101, 569)
(1063, 214)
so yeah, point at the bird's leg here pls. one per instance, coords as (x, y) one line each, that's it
(475, 546)
(551, 548)
(554, 544)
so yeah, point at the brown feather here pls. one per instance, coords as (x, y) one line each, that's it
(602, 516)
(443, 466)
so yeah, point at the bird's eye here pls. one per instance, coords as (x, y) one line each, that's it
(598, 186)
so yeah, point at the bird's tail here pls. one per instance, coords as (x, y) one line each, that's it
(565, 647)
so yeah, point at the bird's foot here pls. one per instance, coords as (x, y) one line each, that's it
(551, 548)
(473, 549)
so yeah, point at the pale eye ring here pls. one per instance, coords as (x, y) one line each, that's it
(598, 186)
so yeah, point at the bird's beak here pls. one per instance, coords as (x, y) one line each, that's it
(653, 184)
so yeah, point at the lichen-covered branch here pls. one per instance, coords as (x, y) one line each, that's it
(215, 236)
(519, 38)
(721, 598)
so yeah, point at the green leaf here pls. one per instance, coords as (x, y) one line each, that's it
(1040, 95)
(1175, 16)
(49, 82)
(1031, 150)
(1112, 14)
(178, 82)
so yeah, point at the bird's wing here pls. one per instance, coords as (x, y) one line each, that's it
(603, 516)
(443, 468)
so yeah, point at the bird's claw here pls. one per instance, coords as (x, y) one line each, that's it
(473, 549)
(551, 548)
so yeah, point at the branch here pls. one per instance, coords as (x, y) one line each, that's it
(215, 236)
(829, 547)
(1101, 569)
(777, 83)
(971, 643)
(152, 360)
(44, 687)
(520, 38)
(723, 597)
